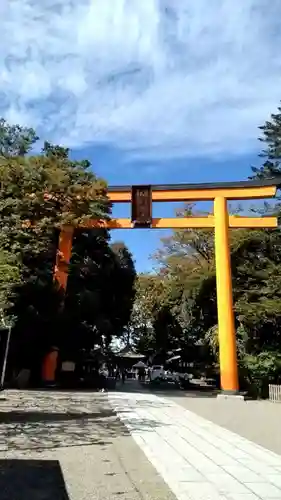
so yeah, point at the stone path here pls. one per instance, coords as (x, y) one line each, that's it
(258, 421)
(198, 459)
(71, 446)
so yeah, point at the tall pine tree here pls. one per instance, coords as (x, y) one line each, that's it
(271, 138)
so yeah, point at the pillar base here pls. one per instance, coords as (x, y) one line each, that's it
(3, 397)
(231, 395)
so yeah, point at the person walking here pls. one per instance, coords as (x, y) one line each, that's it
(103, 375)
(123, 376)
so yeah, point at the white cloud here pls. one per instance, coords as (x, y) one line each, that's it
(157, 78)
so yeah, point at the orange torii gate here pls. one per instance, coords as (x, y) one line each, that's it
(141, 199)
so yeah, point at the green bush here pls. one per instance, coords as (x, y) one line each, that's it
(258, 371)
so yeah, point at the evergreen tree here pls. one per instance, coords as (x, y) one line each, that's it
(271, 138)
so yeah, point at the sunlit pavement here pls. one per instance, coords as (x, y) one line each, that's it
(71, 446)
(196, 458)
(258, 421)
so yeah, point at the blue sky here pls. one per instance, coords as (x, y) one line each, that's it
(151, 91)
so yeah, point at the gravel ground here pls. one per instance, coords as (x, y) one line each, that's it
(258, 421)
(62, 446)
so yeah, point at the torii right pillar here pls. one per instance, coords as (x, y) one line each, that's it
(226, 325)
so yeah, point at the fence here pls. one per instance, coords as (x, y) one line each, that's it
(274, 393)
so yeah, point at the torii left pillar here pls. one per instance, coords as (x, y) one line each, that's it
(63, 257)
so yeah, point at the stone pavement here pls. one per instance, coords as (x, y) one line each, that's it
(71, 446)
(258, 421)
(198, 459)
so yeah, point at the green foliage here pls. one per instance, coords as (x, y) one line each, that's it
(260, 370)
(149, 292)
(272, 153)
(265, 365)
(39, 193)
(9, 277)
(123, 279)
(15, 140)
(100, 291)
(187, 271)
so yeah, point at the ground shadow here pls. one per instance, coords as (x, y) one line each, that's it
(33, 430)
(50, 422)
(168, 389)
(37, 417)
(193, 392)
(32, 480)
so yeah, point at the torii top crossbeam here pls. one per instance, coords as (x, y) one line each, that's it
(241, 190)
(143, 196)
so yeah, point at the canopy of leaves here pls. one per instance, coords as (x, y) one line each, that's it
(9, 277)
(39, 193)
(271, 138)
(187, 274)
(100, 290)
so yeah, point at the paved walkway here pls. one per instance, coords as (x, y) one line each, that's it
(198, 459)
(258, 421)
(71, 446)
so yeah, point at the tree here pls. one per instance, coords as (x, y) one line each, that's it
(257, 288)
(15, 140)
(40, 193)
(187, 264)
(44, 192)
(100, 291)
(148, 296)
(187, 261)
(123, 278)
(9, 277)
(267, 363)
(271, 137)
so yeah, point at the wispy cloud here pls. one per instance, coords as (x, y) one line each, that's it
(157, 78)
